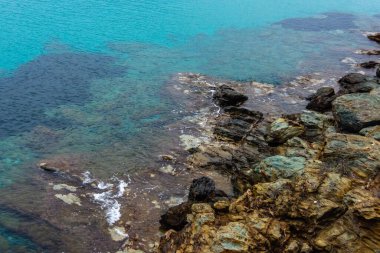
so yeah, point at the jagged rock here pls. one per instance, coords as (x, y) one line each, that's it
(236, 123)
(369, 64)
(282, 130)
(315, 124)
(226, 96)
(321, 100)
(222, 205)
(363, 204)
(275, 167)
(373, 132)
(175, 217)
(374, 37)
(354, 112)
(287, 215)
(334, 187)
(297, 147)
(352, 154)
(202, 189)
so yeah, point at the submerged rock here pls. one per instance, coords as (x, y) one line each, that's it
(226, 96)
(48, 168)
(70, 198)
(354, 112)
(378, 72)
(321, 101)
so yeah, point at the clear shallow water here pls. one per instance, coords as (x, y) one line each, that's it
(83, 80)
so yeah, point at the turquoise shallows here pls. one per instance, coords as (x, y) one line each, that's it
(27, 26)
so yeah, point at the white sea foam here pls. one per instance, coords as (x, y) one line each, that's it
(103, 186)
(87, 179)
(108, 199)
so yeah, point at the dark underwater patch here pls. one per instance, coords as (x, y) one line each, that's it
(332, 21)
(49, 81)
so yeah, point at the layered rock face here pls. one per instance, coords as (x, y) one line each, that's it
(309, 182)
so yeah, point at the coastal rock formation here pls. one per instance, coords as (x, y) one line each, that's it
(304, 186)
(201, 190)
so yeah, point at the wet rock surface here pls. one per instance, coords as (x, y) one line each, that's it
(369, 64)
(322, 100)
(302, 183)
(374, 37)
(227, 96)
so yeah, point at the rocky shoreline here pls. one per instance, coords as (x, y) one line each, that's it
(304, 180)
(269, 176)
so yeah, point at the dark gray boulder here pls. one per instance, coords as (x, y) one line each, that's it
(175, 217)
(202, 189)
(356, 83)
(226, 96)
(236, 123)
(321, 101)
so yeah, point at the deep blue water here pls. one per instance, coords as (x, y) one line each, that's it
(86, 76)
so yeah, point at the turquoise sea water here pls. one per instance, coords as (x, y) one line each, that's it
(86, 78)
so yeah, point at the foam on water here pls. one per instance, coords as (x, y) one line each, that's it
(108, 199)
